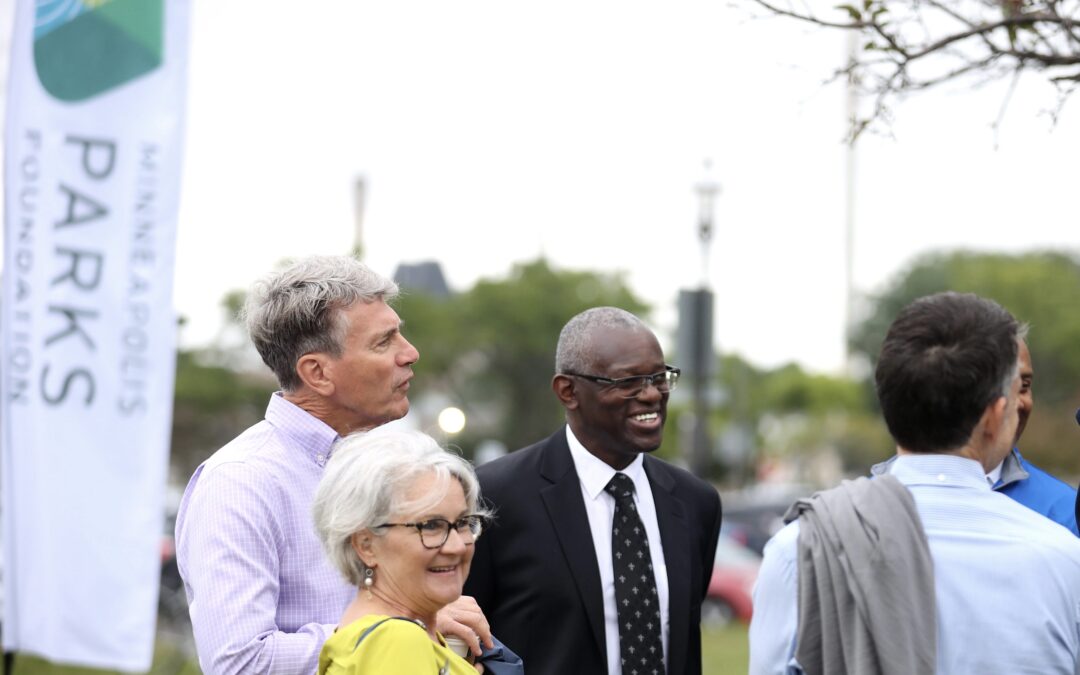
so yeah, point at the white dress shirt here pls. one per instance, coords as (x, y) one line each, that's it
(594, 475)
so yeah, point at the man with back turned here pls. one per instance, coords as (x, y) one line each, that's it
(1018, 478)
(926, 569)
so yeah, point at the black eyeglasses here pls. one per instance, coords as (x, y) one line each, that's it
(631, 387)
(435, 532)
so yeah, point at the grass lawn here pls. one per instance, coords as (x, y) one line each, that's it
(725, 651)
(167, 661)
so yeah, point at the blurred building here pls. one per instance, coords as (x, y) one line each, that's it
(423, 276)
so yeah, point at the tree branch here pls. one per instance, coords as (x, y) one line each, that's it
(920, 44)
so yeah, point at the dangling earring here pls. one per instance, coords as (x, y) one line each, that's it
(369, 581)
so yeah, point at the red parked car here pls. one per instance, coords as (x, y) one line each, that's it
(731, 588)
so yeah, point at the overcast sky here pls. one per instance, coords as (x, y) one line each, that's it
(492, 132)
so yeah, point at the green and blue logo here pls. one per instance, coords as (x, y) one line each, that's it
(83, 48)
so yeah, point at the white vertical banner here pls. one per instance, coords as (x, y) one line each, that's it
(93, 140)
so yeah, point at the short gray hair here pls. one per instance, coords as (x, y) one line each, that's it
(364, 486)
(298, 310)
(574, 351)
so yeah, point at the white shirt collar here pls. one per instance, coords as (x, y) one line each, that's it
(939, 469)
(594, 473)
(995, 474)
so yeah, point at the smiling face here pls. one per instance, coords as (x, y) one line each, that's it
(1025, 403)
(616, 429)
(371, 377)
(416, 580)
(1009, 429)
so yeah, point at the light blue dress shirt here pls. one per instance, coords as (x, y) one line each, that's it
(1007, 579)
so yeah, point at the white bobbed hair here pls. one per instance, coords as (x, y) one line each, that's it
(365, 485)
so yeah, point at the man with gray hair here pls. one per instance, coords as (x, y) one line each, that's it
(262, 596)
(600, 554)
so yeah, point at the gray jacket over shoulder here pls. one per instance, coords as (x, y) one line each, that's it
(866, 581)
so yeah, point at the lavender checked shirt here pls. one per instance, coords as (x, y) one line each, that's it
(262, 596)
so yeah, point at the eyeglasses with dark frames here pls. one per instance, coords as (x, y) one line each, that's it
(435, 531)
(631, 387)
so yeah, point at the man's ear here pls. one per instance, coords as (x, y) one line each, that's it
(361, 545)
(315, 370)
(563, 386)
(993, 418)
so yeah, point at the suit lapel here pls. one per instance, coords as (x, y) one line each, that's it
(566, 509)
(675, 536)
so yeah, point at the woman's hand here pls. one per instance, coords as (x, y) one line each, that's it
(464, 618)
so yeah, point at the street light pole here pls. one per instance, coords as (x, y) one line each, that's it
(695, 330)
(707, 190)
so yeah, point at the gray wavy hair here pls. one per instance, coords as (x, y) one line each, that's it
(365, 482)
(299, 310)
(574, 351)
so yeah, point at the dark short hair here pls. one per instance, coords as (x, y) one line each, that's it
(945, 358)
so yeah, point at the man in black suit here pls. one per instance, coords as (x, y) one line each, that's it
(545, 572)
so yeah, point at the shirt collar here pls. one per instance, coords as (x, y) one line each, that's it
(307, 432)
(935, 469)
(1012, 469)
(593, 473)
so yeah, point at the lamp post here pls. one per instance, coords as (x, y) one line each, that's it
(695, 330)
(707, 190)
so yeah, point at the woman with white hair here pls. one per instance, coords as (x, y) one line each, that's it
(398, 516)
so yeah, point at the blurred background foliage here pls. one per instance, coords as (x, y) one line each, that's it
(1039, 288)
(489, 350)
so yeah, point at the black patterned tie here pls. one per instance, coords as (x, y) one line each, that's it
(638, 604)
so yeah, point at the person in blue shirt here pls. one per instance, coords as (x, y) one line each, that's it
(1078, 495)
(1025, 482)
(1018, 478)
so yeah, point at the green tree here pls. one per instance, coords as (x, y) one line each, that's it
(492, 347)
(801, 416)
(1039, 288)
(211, 405)
(214, 398)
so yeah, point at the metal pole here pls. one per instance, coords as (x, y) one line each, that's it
(700, 308)
(849, 204)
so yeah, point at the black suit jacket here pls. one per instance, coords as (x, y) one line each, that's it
(535, 573)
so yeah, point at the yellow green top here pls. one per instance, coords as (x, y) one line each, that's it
(395, 648)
